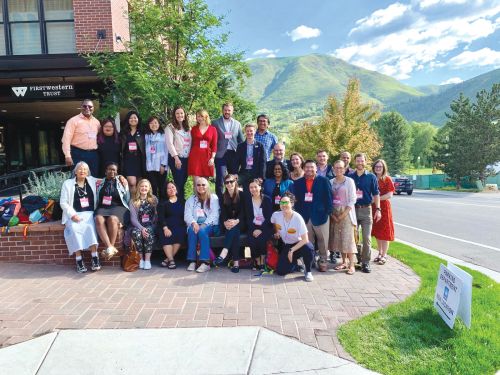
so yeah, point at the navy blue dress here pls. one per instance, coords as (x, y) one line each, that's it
(171, 215)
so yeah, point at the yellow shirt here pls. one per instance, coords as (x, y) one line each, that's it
(80, 132)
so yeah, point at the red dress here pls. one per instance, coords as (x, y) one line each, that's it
(384, 228)
(202, 147)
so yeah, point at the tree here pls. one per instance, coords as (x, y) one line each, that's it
(344, 126)
(175, 57)
(470, 140)
(423, 134)
(395, 134)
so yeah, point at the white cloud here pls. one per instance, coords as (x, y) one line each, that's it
(314, 47)
(430, 3)
(303, 32)
(482, 57)
(264, 52)
(452, 80)
(422, 43)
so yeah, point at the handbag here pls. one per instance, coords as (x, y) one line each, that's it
(272, 255)
(131, 259)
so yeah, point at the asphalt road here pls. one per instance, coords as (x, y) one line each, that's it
(462, 225)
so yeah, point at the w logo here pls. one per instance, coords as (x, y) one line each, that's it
(19, 91)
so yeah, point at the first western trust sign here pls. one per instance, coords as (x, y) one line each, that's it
(45, 91)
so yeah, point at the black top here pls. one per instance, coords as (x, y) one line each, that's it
(233, 211)
(109, 189)
(267, 211)
(109, 151)
(171, 214)
(82, 194)
(276, 192)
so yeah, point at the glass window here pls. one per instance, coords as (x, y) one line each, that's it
(2, 41)
(23, 10)
(25, 38)
(61, 37)
(58, 9)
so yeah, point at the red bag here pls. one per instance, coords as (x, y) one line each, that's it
(272, 255)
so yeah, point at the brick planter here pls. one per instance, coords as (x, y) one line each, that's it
(44, 244)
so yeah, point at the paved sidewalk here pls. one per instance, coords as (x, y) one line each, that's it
(38, 299)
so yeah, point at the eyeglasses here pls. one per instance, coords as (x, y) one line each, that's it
(201, 184)
(378, 166)
(227, 182)
(87, 106)
(284, 202)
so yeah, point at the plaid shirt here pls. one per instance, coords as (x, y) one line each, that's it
(269, 140)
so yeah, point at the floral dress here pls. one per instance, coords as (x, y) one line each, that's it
(143, 217)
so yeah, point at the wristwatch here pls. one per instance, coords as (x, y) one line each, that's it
(378, 209)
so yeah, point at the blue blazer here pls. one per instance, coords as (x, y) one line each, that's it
(267, 211)
(322, 204)
(259, 159)
(329, 172)
(270, 183)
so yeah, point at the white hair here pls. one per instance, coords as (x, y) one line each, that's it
(81, 164)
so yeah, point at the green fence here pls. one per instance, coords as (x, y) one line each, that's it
(433, 181)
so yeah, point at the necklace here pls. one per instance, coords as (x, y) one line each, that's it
(82, 192)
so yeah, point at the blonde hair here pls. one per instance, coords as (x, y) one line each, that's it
(208, 192)
(385, 172)
(203, 113)
(136, 201)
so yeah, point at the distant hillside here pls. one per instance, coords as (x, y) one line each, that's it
(432, 108)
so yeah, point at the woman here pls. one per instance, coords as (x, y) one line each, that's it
(156, 156)
(108, 145)
(178, 139)
(277, 186)
(143, 220)
(133, 149)
(201, 216)
(233, 220)
(78, 204)
(258, 213)
(291, 229)
(112, 208)
(297, 161)
(343, 223)
(203, 147)
(383, 230)
(172, 227)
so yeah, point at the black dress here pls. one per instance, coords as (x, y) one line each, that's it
(171, 215)
(132, 157)
(109, 151)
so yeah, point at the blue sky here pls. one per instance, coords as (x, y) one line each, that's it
(417, 42)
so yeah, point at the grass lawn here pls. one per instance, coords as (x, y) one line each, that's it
(411, 338)
(416, 171)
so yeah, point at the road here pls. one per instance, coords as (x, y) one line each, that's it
(462, 225)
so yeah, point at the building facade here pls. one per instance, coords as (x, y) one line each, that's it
(43, 76)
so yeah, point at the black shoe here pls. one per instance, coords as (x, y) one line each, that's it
(96, 265)
(365, 267)
(332, 258)
(80, 266)
(337, 254)
(235, 269)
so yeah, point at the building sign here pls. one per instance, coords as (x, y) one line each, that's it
(44, 91)
(453, 295)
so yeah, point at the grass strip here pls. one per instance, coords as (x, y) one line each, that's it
(411, 338)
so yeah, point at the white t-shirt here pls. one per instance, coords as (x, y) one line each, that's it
(290, 232)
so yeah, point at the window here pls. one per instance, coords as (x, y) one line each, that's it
(36, 27)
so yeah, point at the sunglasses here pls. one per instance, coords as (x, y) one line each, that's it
(227, 182)
(87, 106)
(284, 202)
(201, 185)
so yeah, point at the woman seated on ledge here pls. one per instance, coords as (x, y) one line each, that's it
(78, 204)
(112, 208)
(201, 215)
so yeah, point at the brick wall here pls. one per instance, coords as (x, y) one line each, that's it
(93, 15)
(44, 244)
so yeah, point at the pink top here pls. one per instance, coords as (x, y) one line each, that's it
(80, 132)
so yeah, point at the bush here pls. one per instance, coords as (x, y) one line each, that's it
(47, 185)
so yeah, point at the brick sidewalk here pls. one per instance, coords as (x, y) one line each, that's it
(37, 299)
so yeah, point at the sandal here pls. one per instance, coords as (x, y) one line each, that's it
(172, 265)
(165, 262)
(377, 259)
(341, 267)
(350, 271)
(382, 260)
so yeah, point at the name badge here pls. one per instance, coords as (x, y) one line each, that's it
(277, 199)
(308, 197)
(84, 202)
(228, 135)
(336, 200)
(203, 144)
(92, 135)
(152, 149)
(258, 220)
(145, 218)
(359, 194)
(250, 161)
(132, 146)
(106, 200)
(200, 212)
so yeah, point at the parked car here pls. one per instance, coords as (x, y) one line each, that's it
(403, 184)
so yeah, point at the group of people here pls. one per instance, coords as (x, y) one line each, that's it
(311, 209)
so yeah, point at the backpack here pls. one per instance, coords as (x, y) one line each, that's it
(33, 203)
(272, 255)
(8, 210)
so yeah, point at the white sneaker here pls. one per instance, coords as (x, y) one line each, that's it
(147, 265)
(203, 268)
(192, 266)
(309, 276)
(141, 264)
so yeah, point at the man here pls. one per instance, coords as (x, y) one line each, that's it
(265, 137)
(250, 157)
(324, 169)
(229, 134)
(279, 156)
(315, 204)
(345, 156)
(79, 140)
(366, 192)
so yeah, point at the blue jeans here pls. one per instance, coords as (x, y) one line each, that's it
(232, 241)
(89, 157)
(180, 175)
(203, 236)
